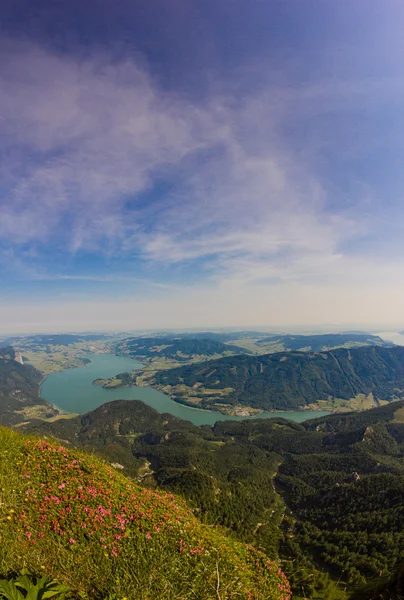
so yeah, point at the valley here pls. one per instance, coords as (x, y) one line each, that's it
(322, 519)
(320, 493)
(53, 353)
(169, 351)
(73, 391)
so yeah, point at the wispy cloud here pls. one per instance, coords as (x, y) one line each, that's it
(86, 143)
(106, 278)
(79, 141)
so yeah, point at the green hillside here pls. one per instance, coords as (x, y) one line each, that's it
(338, 423)
(323, 342)
(19, 390)
(178, 349)
(112, 428)
(226, 483)
(50, 353)
(73, 517)
(288, 381)
(347, 497)
(195, 347)
(334, 514)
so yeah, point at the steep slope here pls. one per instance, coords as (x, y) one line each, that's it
(341, 477)
(392, 413)
(288, 381)
(19, 390)
(225, 482)
(347, 497)
(112, 428)
(88, 526)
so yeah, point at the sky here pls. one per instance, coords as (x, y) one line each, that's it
(201, 163)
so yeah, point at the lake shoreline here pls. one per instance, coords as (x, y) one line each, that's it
(72, 391)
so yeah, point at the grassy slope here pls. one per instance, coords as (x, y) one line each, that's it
(225, 473)
(73, 516)
(226, 482)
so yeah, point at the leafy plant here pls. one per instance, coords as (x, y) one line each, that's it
(26, 587)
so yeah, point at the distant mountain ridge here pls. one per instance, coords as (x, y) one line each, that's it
(320, 342)
(179, 349)
(287, 380)
(57, 339)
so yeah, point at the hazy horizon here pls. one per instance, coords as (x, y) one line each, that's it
(201, 164)
(291, 329)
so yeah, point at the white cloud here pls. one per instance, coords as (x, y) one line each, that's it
(82, 143)
(88, 136)
(79, 138)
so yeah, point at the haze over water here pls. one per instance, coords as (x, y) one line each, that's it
(72, 391)
(392, 336)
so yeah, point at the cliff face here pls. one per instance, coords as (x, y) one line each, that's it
(18, 358)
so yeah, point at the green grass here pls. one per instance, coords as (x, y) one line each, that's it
(71, 516)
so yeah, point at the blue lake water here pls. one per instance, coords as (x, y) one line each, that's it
(72, 391)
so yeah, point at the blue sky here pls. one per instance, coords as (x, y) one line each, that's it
(201, 163)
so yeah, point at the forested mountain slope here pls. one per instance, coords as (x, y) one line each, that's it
(288, 381)
(178, 349)
(19, 390)
(112, 428)
(322, 342)
(339, 500)
(337, 423)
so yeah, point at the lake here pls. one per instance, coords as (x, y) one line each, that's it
(72, 391)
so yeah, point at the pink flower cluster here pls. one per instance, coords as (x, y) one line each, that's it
(77, 505)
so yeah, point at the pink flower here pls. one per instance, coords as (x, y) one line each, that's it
(29, 535)
(148, 536)
(71, 541)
